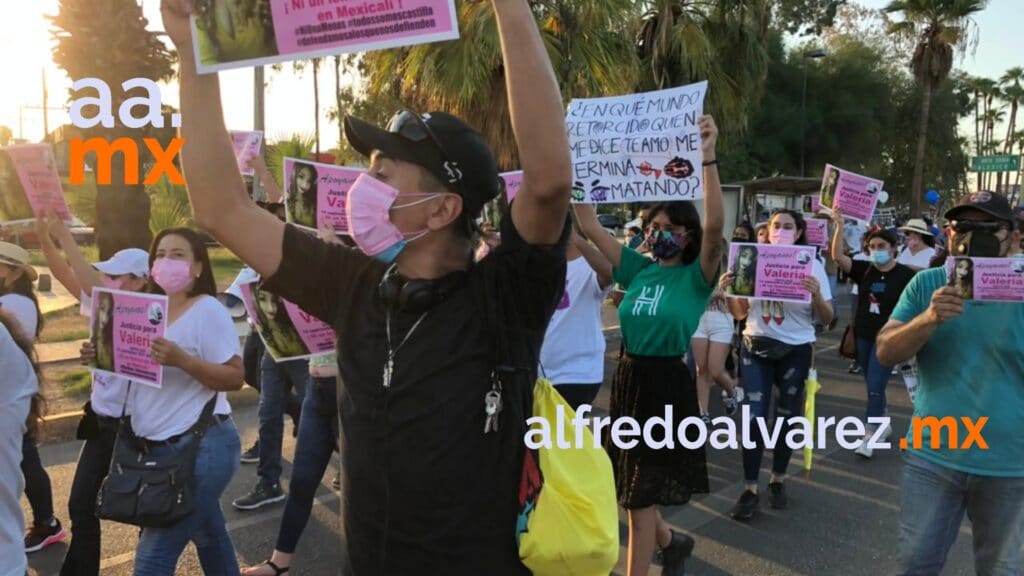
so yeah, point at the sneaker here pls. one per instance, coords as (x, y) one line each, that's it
(746, 506)
(252, 455)
(41, 536)
(706, 418)
(261, 495)
(732, 403)
(854, 368)
(673, 556)
(865, 449)
(777, 496)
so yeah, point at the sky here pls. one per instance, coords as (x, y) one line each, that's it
(289, 97)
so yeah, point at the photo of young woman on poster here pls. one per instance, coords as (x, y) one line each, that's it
(302, 193)
(828, 190)
(745, 269)
(276, 327)
(232, 30)
(962, 278)
(103, 332)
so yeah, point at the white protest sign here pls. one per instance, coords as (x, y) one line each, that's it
(639, 147)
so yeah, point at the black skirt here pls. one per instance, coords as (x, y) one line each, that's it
(646, 476)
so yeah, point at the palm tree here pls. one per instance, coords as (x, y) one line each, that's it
(1013, 93)
(940, 27)
(1018, 137)
(316, 104)
(585, 39)
(107, 39)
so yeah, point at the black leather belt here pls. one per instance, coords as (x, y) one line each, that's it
(221, 418)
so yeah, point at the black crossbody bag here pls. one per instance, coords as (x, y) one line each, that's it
(151, 491)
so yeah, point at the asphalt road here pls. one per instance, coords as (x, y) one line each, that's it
(842, 519)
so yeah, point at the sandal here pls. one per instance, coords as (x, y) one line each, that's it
(278, 571)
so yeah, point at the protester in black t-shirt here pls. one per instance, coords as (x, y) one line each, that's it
(420, 327)
(880, 283)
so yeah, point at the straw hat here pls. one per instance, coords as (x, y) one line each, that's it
(16, 256)
(917, 225)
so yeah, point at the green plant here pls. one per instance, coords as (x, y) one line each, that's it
(169, 206)
(296, 146)
(77, 383)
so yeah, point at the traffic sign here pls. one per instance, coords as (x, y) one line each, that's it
(995, 163)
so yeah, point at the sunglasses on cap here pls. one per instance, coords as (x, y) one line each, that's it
(413, 127)
(965, 226)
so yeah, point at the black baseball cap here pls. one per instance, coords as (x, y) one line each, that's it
(991, 203)
(448, 148)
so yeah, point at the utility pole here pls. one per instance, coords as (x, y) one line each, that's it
(258, 122)
(46, 115)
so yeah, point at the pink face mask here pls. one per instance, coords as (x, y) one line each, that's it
(782, 236)
(368, 206)
(173, 276)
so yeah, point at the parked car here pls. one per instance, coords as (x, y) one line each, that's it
(612, 221)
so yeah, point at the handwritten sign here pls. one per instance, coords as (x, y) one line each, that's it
(637, 148)
(124, 325)
(770, 272)
(987, 279)
(30, 185)
(231, 34)
(511, 182)
(817, 231)
(247, 146)
(288, 332)
(315, 193)
(854, 194)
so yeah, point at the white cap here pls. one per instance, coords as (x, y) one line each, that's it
(129, 261)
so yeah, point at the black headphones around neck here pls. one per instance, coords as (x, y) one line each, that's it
(417, 296)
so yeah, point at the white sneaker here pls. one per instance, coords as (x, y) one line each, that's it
(865, 450)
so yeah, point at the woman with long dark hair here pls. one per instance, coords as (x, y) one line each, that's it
(665, 298)
(201, 360)
(18, 298)
(777, 353)
(278, 330)
(21, 411)
(301, 199)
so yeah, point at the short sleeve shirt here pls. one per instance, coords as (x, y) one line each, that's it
(877, 295)
(972, 366)
(422, 480)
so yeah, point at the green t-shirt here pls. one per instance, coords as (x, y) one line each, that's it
(972, 366)
(662, 305)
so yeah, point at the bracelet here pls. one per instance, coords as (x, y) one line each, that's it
(711, 163)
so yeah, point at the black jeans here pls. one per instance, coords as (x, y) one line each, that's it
(37, 481)
(83, 557)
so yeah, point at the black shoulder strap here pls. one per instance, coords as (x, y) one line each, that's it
(205, 418)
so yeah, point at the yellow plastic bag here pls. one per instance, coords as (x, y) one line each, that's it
(568, 522)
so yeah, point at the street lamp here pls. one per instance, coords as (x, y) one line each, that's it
(819, 53)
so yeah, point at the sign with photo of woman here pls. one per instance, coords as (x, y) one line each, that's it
(288, 332)
(314, 194)
(770, 272)
(30, 185)
(124, 326)
(987, 279)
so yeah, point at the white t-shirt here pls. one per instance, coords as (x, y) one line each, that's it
(921, 260)
(206, 331)
(573, 351)
(17, 386)
(788, 322)
(24, 309)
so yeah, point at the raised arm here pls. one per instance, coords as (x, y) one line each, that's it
(586, 217)
(215, 188)
(714, 216)
(838, 254)
(274, 193)
(86, 276)
(59, 267)
(598, 263)
(538, 121)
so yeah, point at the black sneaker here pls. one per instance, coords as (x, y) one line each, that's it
(40, 536)
(261, 495)
(252, 455)
(777, 495)
(673, 556)
(706, 419)
(746, 506)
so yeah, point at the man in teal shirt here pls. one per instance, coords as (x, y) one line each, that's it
(971, 366)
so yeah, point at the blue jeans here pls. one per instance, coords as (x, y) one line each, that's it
(875, 374)
(275, 383)
(760, 376)
(318, 438)
(933, 500)
(159, 548)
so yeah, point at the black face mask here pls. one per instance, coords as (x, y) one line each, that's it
(978, 239)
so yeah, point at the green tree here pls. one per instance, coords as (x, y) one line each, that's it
(1013, 94)
(107, 39)
(940, 27)
(298, 146)
(586, 41)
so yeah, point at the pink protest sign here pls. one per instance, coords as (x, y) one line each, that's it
(811, 205)
(315, 193)
(770, 272)
(987, 279)
(233, 34)
(30, 185)
(247, 146)
(288, 332)
(817, 231)
(511, 181)
(124, 325)
(854, 194)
